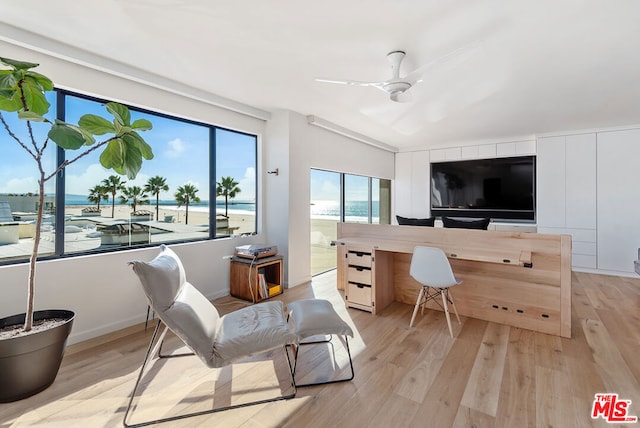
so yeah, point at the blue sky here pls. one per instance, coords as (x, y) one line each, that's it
(325, 186)
(180, 155)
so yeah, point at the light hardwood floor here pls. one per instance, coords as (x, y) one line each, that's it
(488, 375)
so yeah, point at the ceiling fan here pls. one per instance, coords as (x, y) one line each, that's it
(397, 87)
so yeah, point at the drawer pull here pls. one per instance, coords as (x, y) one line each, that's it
(359, 253)
(359, 268)
(359, 285)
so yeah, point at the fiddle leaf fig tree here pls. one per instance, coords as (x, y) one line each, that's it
(23, 92)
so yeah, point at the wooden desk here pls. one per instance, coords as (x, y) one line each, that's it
(519, 279)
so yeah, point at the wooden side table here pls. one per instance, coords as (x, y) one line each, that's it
(247, 275)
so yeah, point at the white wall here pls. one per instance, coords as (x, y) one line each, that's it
(310, 147)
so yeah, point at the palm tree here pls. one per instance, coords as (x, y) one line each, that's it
(184, 196)
(154, 186)
(228, 188)
(113, 184)
(134, 194)
(98, 193)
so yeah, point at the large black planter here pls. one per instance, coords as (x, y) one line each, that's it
(29, 364)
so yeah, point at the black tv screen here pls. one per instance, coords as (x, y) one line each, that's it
(500, 188)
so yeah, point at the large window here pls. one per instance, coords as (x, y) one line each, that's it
(169, 200)
(337, 197)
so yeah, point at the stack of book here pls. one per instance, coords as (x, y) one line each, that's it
(263, 288)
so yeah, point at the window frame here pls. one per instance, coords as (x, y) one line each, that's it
(60, 182)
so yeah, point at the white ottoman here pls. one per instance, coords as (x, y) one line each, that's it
(313, 317)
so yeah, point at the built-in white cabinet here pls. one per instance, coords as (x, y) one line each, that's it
(412, 184)
(587, 187)
(618, 199)
(566, 193)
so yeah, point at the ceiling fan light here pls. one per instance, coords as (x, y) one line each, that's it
(396, 88)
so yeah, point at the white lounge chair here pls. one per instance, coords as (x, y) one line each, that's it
(217, 340)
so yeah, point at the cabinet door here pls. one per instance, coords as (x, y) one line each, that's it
(412, 181)
(618, 199)
(551, 193)
(402, 185)
(421, 183)
(580, 177)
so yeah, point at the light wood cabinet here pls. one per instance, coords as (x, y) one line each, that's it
(358, 267)
(365, 274)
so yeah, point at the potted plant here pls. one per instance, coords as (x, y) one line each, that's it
(32, 343)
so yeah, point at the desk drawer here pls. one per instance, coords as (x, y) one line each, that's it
(359, 293)
(359, 258)
(361, 275)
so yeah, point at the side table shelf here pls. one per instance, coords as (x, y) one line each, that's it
(246, 276)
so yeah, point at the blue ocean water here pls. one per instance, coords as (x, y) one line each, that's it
(352, 209)
(71, 200)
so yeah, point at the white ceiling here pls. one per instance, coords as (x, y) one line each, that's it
(530, 66)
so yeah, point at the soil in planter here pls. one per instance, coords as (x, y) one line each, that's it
(16, 330)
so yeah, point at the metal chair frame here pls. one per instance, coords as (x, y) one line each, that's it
(296, 352)
(155, 348)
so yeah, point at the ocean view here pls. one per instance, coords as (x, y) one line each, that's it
(234, 206)
(354, 210)
(330, 210)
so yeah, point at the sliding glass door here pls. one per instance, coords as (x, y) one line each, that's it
(337, 197)
(325, 213)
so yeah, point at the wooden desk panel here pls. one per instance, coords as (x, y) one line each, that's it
(494, 288)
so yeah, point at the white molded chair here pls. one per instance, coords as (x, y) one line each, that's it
(431, 268)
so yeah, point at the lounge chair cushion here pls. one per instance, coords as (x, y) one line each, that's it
(217, 340)
(316, 316)
(251, 330)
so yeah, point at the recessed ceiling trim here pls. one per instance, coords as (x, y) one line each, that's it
(36, 42)
(330, 126)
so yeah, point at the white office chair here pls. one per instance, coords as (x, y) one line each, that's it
(431, 268)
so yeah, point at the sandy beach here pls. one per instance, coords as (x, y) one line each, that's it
(238, 223)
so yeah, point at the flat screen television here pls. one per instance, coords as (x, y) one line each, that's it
(500, 188)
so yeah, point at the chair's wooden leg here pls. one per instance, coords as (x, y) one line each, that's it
(446, 311)
(455, 310)
(415, 309)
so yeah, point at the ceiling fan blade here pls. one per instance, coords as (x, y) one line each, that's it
(457, 55)
(350, 82)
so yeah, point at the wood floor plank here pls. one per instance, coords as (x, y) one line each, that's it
(467, 417)
(516, 407)
(419, 378)
(609, 362)
(483, 388)
(554, 403)
(441, 403)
